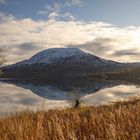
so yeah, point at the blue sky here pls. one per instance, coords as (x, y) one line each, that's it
(107, 28)
(117, 12)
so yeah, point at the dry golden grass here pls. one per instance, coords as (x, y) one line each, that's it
(120, 121)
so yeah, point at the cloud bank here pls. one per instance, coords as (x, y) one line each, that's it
(24, 37)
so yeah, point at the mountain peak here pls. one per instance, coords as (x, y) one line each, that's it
(61, 62)
(54, 54)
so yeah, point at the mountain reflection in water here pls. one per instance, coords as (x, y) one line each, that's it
(62, 93)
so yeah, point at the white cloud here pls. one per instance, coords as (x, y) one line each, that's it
(55, 8)
(6, 17)
(70, 3)
(60, 17)
(3, 1)
(25, 37)
(76, 2)
(53, 16)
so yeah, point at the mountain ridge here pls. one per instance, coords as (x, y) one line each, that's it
(61, 62)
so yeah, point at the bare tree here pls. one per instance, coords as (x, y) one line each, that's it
(2, 59)
(74, 98)
(2, 56)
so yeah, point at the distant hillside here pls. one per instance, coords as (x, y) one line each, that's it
(59, 63)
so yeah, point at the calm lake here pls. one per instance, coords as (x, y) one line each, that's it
(20, 95)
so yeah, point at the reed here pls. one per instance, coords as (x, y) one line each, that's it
(118, 121)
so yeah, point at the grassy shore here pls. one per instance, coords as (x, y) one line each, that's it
(119, 121)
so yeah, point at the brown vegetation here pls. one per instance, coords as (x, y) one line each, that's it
(120, 121)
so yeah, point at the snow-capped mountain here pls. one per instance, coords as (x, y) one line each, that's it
(54, 55)
(58, 62)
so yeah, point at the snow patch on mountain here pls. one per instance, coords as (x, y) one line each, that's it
(56, 54)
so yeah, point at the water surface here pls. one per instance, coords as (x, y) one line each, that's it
(17, 95)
